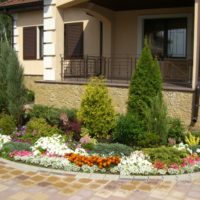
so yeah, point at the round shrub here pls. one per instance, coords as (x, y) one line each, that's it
(7, 124)
(167, 155)
(128, 129)
(52, 115)
(148, 139)
(111, 149)
(38, 127)
(176, 130)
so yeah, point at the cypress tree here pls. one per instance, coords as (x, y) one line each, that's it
(146, 83)
(15, 86)
(4, 57)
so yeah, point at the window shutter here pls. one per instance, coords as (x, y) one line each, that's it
(30, 43)
(73, 43)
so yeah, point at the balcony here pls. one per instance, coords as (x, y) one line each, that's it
(118, 70)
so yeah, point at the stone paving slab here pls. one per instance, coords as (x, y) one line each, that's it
(22, 182)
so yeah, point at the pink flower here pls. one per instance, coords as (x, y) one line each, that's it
(20, 153)
(174, 166)
(190, 160)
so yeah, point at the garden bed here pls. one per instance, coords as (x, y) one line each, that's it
(53, 152)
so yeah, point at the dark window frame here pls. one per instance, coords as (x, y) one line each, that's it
(41, 42)
(25, 56)
(166, 29)
(67, 56)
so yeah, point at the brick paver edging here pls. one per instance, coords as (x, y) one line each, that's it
(25, 167)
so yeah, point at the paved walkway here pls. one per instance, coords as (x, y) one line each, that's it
(25, 184)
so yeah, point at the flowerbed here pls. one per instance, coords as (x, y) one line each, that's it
(53, 152)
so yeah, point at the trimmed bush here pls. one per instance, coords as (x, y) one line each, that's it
(38, 127)
(176, 130)
(148, 139)
(111, 149)
(51, 114)
(96, 112)
(167, 155)
(7, 124)
(128, 129)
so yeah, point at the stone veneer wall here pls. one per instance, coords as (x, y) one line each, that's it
(29, 81)
(179, 103)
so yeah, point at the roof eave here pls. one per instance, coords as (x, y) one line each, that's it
(22, 7)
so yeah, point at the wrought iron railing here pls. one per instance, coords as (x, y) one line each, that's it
(120, 69)
(112, 68)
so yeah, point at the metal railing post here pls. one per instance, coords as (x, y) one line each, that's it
(62, 68)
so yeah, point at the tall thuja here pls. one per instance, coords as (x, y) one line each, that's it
(4, 57)
(146, 83)
(15, 86)
(5, 28)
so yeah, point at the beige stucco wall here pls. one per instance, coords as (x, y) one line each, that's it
(25, 19)
(91, 27)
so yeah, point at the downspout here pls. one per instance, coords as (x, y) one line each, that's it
(195, 105)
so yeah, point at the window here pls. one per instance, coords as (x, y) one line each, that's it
(167, 37)
(32, 43)
(73, 41)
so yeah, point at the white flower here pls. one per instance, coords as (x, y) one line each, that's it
(136, 163)
(4, 139)
(198, 150)
(182, 146)
(52, 145)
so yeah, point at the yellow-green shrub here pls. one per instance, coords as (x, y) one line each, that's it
(7, 124)
(192, 140)
(96, 112)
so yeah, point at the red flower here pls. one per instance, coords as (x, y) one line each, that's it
(159, 164)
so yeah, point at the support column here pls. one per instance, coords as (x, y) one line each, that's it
(15, 34)
(49, 23)
(196, 52)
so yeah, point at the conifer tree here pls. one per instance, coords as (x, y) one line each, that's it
(4, 57)
(96, 112)
(146, 83)
(15, 86)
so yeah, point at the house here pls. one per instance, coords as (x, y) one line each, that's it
(61, 43)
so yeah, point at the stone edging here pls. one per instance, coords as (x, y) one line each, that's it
(24, 167)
